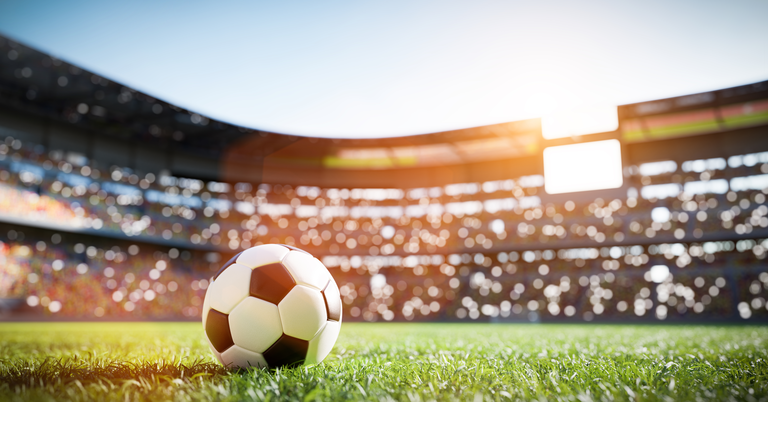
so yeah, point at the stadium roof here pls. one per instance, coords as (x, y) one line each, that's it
(399, 68)
(41, 85)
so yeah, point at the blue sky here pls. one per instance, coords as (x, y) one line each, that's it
(389, 68)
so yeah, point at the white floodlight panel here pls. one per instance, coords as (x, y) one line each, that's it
(583, 167)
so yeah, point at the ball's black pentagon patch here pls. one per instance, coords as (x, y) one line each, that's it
(217, 329)
(227, 264)
(287, 351)
(296, 249)
(332, 298)
(271, 282)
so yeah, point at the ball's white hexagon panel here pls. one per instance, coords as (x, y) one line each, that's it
(302, 312)
(306, 269)
(239, 357)
(333, 300)
(322, 344)
(230, 288)
(255, 324)
(262, 255)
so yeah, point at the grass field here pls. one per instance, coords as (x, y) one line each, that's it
(400, 362)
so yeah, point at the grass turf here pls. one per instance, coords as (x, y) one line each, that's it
(384, 362)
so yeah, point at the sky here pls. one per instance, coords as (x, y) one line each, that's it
(365, 69)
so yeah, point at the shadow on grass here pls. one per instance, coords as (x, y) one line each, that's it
(99, 379)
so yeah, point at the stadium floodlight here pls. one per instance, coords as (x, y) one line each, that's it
(584, 121)
(583, 167)
(660, 214)
(659, 273)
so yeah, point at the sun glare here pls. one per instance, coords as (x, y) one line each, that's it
(577, 122)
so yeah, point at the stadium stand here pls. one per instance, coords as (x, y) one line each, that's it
(684, 238)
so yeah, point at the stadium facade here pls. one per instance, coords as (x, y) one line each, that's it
(116, 205)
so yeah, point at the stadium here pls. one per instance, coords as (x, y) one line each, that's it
(118, 207)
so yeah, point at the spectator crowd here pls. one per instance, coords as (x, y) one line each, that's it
(681, 241)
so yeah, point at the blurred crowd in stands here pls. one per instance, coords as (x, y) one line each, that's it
(105, 278)
(680, 240)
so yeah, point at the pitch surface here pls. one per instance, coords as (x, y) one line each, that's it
(402, 362)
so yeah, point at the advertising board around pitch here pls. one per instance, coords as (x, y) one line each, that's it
(583, 167)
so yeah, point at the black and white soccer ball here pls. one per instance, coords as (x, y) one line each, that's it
(271, 306)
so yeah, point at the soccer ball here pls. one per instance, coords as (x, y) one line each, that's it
(271, 306)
